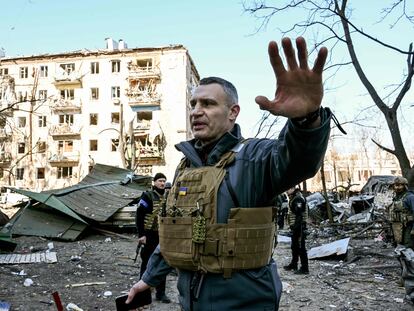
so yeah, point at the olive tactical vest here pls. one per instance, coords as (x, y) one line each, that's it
(151, 219)
(292, 215)
(398, 213)
(191, 238)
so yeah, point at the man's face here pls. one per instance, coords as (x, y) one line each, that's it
(159, 183)
(210, 115)
(398, 188)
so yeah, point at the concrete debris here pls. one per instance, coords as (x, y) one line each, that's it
(339, 247)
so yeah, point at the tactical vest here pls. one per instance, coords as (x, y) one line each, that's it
(292, 215)
(151, 219)
(191, 238)
(398, 213)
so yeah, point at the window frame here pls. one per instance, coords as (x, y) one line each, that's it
(94, 93)
(94, 68)
(23, 72)
(19, 173)
(64, 172)
(93, 145)
(115, 66)
(43, 71)
(93, 116)
(42, 121)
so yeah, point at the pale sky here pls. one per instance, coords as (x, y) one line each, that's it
(221, 40)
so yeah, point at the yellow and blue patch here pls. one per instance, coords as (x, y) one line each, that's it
(182, 191)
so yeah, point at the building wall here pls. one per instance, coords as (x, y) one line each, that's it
(160, 91)
(339, 169)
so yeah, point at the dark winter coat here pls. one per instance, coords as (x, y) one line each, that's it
(262, 169)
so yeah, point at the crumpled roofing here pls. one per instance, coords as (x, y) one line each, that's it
(98, 196)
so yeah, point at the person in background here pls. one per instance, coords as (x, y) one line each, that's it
(146, 221)
(219, 229)
(402, 213)
(297, 216)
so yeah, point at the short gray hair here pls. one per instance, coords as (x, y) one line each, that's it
(227, 86)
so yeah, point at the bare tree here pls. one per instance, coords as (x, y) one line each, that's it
(331, 22)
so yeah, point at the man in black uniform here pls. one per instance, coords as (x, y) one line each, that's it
(147, 225)
(297, 216)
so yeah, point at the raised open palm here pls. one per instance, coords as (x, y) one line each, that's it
(299, 90)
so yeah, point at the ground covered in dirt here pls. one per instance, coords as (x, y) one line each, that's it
(91, 272)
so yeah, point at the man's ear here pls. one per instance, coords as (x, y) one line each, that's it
(234, 112)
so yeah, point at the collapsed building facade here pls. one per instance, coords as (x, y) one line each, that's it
(63, 113)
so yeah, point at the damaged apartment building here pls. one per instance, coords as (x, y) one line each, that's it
(62, 113)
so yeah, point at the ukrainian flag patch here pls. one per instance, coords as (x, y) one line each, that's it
(182, 191)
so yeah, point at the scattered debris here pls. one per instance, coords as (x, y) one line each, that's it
(48, 257)
(337, 248)
(86, 284)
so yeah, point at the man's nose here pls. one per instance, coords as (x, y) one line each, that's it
(196, 110)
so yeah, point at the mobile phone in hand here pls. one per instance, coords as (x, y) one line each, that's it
(140, 299)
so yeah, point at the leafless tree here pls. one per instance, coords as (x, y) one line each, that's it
(332, 23)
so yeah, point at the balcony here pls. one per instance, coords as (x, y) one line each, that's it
(65, 130)
(66, 105)
(138, 72)
(142, 126)
(5, 159)
(144, 99)
(5, 134)
(64, 158)
(147, 155)
(68, 80)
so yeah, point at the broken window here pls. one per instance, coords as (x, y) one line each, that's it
(42, 121)
(21, 147)
(114, 144)
(69, 68)
(22, 96)
(144, 64)
(66, 119)
(41, 146)
(68, 94)
(93, 145)
(144, 119)
(115, 117)
(40, 174)
(65, 146)
(93, 119)
(42, 94)
(64, 172)
(116, 65)
(21, 121)
(94, 68)
(94, 93)
(19, 173)
(44, 71)
(24, 72)
(4, 71)
(144, 115)
(115, 92)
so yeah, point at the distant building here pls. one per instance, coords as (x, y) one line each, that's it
(62, 113)
(342, 169)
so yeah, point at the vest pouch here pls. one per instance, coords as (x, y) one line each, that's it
(250, 237)
(211, 252)
(245, 242)
(176, 242)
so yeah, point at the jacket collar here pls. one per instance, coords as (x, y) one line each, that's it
(192, 149)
